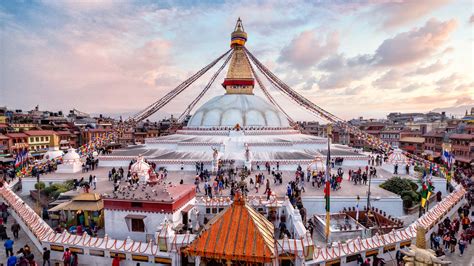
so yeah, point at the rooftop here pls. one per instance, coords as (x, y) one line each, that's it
(63, 133)
(16, 135)
(462, 136)
(413, 139)
(151, 193)
(248, 236)
(39, 132)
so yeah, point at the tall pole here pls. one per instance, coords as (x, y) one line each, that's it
(368, 193)
(327, 188)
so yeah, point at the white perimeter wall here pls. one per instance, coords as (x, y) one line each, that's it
(315, 205)
(116, 225)
(28, 183)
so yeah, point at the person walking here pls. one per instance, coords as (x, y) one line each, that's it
(46, 257)
(12, 260)
(8, 247)
(74, 259)
(67, 257)
(94, 182)
(462, 245)
(15, 229)
(116, 261)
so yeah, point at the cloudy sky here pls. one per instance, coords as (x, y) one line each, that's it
(353, 59)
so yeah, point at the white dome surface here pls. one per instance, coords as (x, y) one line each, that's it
(71, 155)
(243, 109)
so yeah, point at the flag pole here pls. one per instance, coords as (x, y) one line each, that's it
(327, 189)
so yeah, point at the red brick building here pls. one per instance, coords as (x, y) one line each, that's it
(462, 146)
(434, 143)
(413, 145)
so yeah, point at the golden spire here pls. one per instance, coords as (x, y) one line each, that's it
(239, 79)
(238, 36)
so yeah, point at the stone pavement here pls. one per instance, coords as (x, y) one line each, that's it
(19, 243)
(348, 188)
(468, 256)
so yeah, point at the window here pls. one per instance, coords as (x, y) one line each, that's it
(42, 139)
(47, 138)
(37, 139)
(138, 225)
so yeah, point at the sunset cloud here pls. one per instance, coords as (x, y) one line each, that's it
(308, 49)
(397, 13)
(416, 44)
(120, 56)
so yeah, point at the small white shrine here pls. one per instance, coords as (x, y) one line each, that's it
(141, 169)
(71, 163)
(397, 158)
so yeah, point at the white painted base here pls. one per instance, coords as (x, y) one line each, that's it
(69, 168)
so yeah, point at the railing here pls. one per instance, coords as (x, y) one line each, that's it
(46, 236)
(395, 238)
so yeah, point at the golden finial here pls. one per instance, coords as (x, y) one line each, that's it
(239, 36)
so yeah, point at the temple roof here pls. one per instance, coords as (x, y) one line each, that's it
(237, 233)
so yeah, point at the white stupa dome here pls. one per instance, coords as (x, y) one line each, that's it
(71, 155)
(244, 109)
(52, 154)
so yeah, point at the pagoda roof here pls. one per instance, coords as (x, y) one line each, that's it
(237, 233)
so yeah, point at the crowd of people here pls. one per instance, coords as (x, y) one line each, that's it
(91, 163)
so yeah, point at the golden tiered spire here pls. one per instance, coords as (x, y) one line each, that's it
(239, 79)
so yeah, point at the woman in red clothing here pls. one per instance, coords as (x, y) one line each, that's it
(116, 261)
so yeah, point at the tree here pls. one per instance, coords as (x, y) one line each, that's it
(40, 185)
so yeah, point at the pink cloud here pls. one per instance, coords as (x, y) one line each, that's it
(397, 13)
(419, 43)
(307, 49)
(429, 69)
(392, 79)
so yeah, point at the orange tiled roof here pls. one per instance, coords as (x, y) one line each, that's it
(237, 233)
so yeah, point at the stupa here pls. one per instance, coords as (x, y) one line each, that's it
(236, 129)
(141, 169)
(71, 163)
(52, 154)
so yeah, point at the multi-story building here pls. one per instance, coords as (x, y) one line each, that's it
(391, 136)
(462, 146)
(340, 136)
(413, 145)
(313, 128)
(19, 127)
(4, 148)
(126, 137)
(90, 134)
(17, 142)
(139, 137)
(65, 139)
(434, 143)
(404, 118)
(39, 141)
(152, 133)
